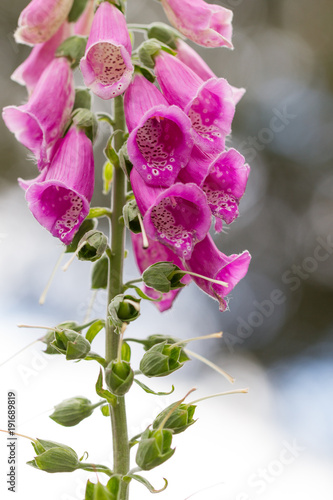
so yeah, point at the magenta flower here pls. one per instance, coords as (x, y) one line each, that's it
(160, 140)
(106, 67)
(156, 252)
(41, 19)
(197, 168)
(29, 72)
(83, 24)
(39, 123)
(209, 105)
(178, 217)
(205, 24)
(225, 185)
(208, 261)
(59, 197)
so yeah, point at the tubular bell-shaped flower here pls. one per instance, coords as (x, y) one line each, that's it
(160, 140)
(209, 105)
(178, 217)
(106, 67)
(39, 123)
(29, 72)
(205, 24)
(208, 261)
(156, 252)
(59, 197)
(40, 20)
(225, 185)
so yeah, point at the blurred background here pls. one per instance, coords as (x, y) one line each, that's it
(277, 441)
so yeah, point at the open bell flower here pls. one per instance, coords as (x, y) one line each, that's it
(205, 24)
(208, 261)
(178, 216)
(106, 67)
(209, 104)
(160, 140)
(29, 72)
(40, 20)
(156, 252)
(39, 123)
(59, 197)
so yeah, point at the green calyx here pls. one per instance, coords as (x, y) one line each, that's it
(178, 421)
(154, 448)
(162, 359)
(119, 377)
(72, 411)
(54, 457)
(163, 277)
(163, 33)
(124, 309)
(71, 343)
(92, 246)
(131, 215)
(86, 120)
(73, 48)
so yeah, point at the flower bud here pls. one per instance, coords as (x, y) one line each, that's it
(180, 419)
(72, 411)
(163, 277)
(164, 34)
(50, 336)
(162, 359)
(154, 448)
(119, 377)
(71, 343)
(54, 457)
(124, 309)
(92, 246)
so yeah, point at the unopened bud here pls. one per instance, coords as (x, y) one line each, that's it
(162, 359)
(154, 448)
(54, 457)
(119, 377)
(72, 411)
(163, 277)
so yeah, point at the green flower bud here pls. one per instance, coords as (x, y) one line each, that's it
(54, 457)
(180, 419)
(119, 377)
(124, 309)
(162, 359)
(71, 343)
(131, 216)
(72, 411)
(164, 34)
(73, 48)
(50, 336)
(154, 448)
(163, 277)
(92, 246)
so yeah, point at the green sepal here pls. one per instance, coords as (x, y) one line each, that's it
(119, 377)
(149, 49)
(72, 411)
(107, 176)
(71, 343)
(163, 277)
(125, 352)
(154, 339)
(104, 393)
(87, 121)
(76, 10)
(99, 274)
(180, 419)
(131, 214)
(82, 98)
(73, 48)
(92, 246)
(54, 457)
(122, 309)
(86, 226)
(94, 329)
(147, 73)
(154, 448)
(145, 482)
(97, 491)
(110, 152)
(150, 391)
(162, 359)
(93, 356)
(164, 33)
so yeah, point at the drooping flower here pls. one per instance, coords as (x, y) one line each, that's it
(178, 216)
(197, 168)
(205, 24)
(106, 67)
(40, 122)
(59, 197)
(225, 185)
(209, 105)
(40, 20)
(29, 72)
(208, 261)
(160, 140)
(83, 24)
(156, 252)
(191, 58)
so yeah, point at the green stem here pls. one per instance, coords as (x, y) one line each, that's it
(115, 286)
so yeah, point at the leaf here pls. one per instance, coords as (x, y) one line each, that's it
(93, 356)
(73, 48)
(98, 212)
(145, 482)
(76, 10)
(95, 329)
(105, 410)
(107, 176)
(150, 391)
(99, 274)
(103, 393)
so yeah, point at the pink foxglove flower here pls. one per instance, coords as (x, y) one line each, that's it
(106, 67)
(225, 185)
(41, 19)
(83, 24)
(156, 252)
(208, 261)
(191, 58)
(160, 140)
(59, 197)
(209, 105)
(29, 72)
(205, 24)
(178, 217)
(39, 123)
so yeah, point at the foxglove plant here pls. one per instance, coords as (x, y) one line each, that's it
(170, 174)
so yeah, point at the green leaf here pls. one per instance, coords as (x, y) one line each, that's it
(150, 391)
(145, 482)
(99, 275)
(76, 10)
(107, 176)
(103, 393)
(95, 329)
(105, 410)
(110, 152)
(82, 99)
(86, 120)
(98, 212)
(93, 356)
